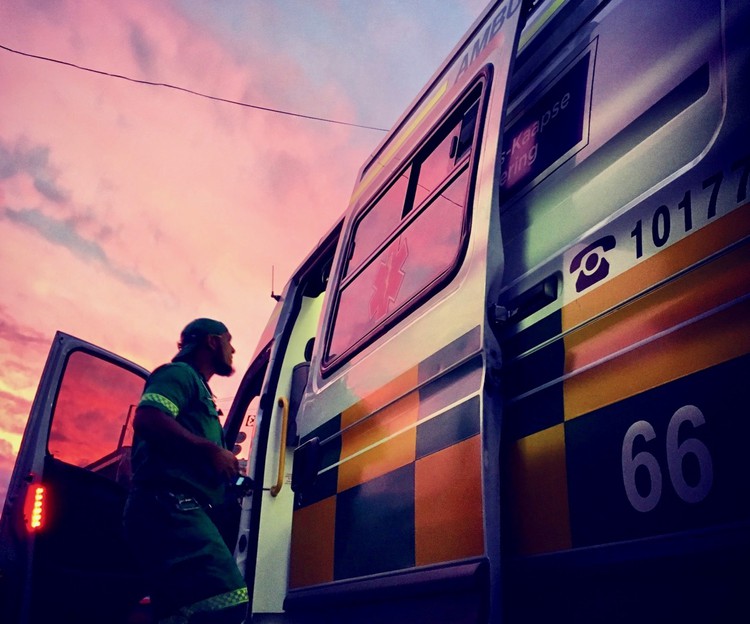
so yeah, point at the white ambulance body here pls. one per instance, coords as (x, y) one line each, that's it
(507, 386)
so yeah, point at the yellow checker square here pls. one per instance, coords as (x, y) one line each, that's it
(708, 342)
(379, 444)
(376, 439)
(541, 517)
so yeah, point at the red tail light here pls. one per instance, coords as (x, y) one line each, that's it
(35, 507)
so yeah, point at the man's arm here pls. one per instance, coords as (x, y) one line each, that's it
(164, 432)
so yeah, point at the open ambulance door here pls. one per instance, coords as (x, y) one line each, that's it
(271, 392)
(63, 557)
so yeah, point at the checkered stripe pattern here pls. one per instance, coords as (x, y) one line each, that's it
(573, 400)
(400, 484)
(214, 603)
(158, 400)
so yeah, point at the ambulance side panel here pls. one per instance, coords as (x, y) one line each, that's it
(389, 510)
(623, 318)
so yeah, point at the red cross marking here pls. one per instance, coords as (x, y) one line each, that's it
(388, 279)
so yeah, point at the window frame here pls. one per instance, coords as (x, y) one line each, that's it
(54, 425)
(345, 276)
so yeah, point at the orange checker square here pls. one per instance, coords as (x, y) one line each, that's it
(708, 342)
(698, 292)
(379, 443)
(540, 492)
(313, 532)
(448, 504)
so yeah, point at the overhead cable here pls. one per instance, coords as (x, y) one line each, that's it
(190, 91)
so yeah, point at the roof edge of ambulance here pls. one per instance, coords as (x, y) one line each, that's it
(448, 62)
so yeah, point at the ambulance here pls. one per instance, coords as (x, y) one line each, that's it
(508, 385)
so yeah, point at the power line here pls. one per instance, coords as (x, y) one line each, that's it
(190, 91)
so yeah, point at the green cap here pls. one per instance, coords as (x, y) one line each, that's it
(194, 332)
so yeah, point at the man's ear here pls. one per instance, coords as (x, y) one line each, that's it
(212, 341)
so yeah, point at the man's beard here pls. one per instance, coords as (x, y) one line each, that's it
(222, 367)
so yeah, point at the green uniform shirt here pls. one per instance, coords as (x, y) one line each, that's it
(179, 390)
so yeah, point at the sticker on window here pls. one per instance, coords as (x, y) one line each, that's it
(550, 129)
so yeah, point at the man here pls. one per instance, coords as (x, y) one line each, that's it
(181, 470)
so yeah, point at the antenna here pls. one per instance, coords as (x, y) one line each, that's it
(274, 296)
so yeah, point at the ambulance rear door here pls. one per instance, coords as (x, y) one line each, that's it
(63, 556)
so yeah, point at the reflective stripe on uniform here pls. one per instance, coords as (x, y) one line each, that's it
(161, 400)
(214, 603)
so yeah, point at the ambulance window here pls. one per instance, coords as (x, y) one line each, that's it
(379, 221)
(90, 419)
(412, 262)
(398, 259)
(441, 160)
(466, 135)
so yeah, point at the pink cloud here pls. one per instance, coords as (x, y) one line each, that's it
(7, 459)
(126, 210)
(13, 412)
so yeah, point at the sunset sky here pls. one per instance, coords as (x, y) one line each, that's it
(127, 209)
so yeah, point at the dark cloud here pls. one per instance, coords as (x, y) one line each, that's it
(62, 232)
(48, 6)
(34, 161)
(23, 158)
(65, 232)
(143, 48)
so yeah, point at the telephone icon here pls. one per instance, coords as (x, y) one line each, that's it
(592, 263)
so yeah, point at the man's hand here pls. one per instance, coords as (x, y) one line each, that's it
(171, 437)
(222, 461)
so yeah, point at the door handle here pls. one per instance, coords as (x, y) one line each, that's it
(283, 403)
(528, 302)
